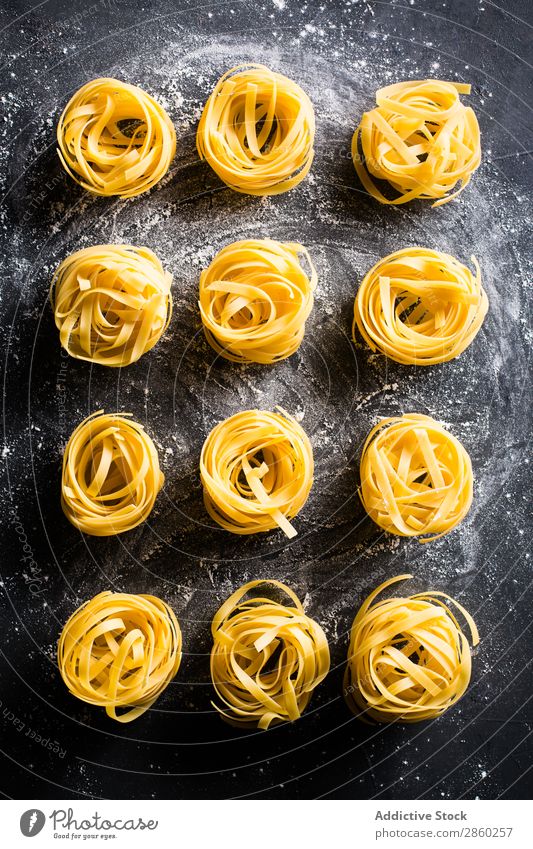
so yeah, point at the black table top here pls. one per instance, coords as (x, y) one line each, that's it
(340, 52)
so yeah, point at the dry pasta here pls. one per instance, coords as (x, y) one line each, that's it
(267, 658)
(420, 307)
(115, 139)
(257, 131)
(257, 470)
(408, 659)
(255, 298)
(111, 303)
(416, 478)
(120, 651)
(421, 139)
(111, 475)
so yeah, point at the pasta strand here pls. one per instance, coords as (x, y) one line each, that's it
(257, 131)
(255, 298)
(416, 478)
(120, 651)
(267, 658)
(257, 471)
(115, 139)
(111, 475)
(111, 303)
(408, 658)
(421, 139)
(420, 307)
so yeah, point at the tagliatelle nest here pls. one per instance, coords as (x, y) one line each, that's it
(420, 307)
(119, 651)
(255, 298)
(257, 470)
(408, 659)
(115, 139)
(257, 131)
(416, 478)
(111, 475)
(421, 139)
(267, 658)
(111, 303)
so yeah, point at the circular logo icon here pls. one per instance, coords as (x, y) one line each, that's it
(32, 822)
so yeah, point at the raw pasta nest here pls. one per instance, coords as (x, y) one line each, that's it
(257, 131)
(416, 478)
(408, 659)
(120, 651)
(111, 475)
(115, 139)
(421, 139)
(111, 303)
(267, 658)
(254, 300)
(420, 307)
(257, 470)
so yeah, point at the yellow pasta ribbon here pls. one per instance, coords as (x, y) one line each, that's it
(111, 475)
(115, 139)
(416, 478)
(257, 131)
(255, 298)
(421, 139)
(420, 307)
(408, 658)
(257, 470)
(111, 303)
(267, 658)
(120, 651)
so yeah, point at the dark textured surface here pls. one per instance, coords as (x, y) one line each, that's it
(340, 52)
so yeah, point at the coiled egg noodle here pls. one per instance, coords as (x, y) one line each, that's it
(267, 658)
(416, 478)
(420, 307)
(111, 475)
(111, 303)
(255, 298)
(257, 470)
(257, 131)
(408, 658)
(115, 139)
(421, 139)
(120, 651)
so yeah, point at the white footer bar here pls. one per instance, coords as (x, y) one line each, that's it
(266, 824)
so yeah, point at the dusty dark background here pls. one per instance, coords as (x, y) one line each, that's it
(340, 52)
